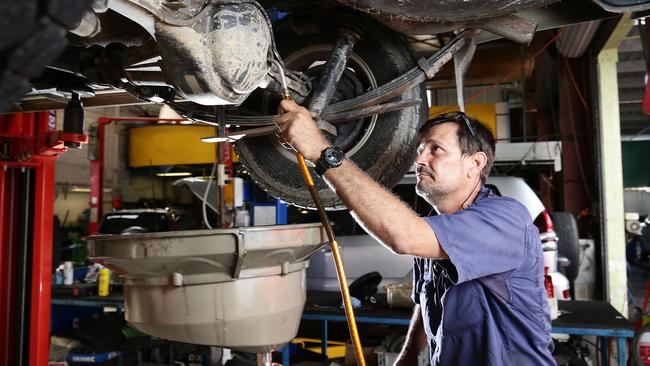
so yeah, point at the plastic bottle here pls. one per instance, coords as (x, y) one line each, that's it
(58, 277)
(102, 282)
(68, 273)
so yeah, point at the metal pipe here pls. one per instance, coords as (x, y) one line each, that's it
(21, 354)
(332, 74)
(522, 80)
(10, 179)
(512, 27)
(220, 177)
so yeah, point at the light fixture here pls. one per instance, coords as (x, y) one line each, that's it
(637, 189)
(174, 174)
(77, 189)
(229, 138)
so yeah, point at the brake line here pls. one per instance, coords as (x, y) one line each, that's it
(334, 245)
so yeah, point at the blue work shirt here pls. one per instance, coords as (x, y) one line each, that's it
(487, 304)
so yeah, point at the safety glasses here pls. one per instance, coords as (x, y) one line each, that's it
(453, 116)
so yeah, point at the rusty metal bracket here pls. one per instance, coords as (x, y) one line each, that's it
(424, 65)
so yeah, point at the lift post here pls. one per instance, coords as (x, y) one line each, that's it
(29, 146)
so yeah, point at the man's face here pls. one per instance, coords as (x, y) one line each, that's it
(441, 168)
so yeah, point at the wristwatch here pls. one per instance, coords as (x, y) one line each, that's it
(331, 157)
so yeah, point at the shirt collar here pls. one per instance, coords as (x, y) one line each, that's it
(485, 192)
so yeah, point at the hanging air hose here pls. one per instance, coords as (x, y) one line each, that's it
(334, 245)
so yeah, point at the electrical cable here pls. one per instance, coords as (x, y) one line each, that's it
(470, 194)
(205, 196)
(575, 84)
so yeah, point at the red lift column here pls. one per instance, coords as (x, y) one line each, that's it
(29, 146)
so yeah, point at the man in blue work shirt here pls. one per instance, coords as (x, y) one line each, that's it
(478, 272)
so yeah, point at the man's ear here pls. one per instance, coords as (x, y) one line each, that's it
(479, 161)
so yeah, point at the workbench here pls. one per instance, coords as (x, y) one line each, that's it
(591, 318)
(596, 318)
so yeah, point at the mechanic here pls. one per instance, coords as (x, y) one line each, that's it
(478, 269)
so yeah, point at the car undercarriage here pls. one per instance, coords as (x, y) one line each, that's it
(355, 64)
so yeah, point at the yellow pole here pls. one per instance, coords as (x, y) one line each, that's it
(340, 270)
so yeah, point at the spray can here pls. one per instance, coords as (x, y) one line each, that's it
(68, 273)
(102, 282)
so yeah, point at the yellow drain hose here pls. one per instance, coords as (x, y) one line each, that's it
(343, 282)
(340, 271)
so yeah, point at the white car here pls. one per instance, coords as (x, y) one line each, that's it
(362, 254)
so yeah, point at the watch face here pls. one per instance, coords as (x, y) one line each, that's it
(334, 156)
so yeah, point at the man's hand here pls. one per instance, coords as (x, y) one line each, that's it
(300, 130)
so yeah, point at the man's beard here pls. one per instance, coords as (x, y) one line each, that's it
(428, 189)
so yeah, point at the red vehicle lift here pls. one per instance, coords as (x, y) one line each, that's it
(29, 146)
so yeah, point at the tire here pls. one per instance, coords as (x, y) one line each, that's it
(383, 146)
(33, 35)
(568, 244)
(641, 346)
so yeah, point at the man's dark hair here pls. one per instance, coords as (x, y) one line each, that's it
(472, 137)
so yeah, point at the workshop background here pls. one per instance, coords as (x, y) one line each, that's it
(150, 239)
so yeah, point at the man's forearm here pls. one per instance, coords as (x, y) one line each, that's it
(415, 341)
(382, 214)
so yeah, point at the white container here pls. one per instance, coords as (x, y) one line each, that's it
(242, 217)
(68, 273)
(240, 288)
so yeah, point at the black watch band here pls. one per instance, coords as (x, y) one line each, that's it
(331, 157)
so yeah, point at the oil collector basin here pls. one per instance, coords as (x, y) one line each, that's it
(241, 288)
